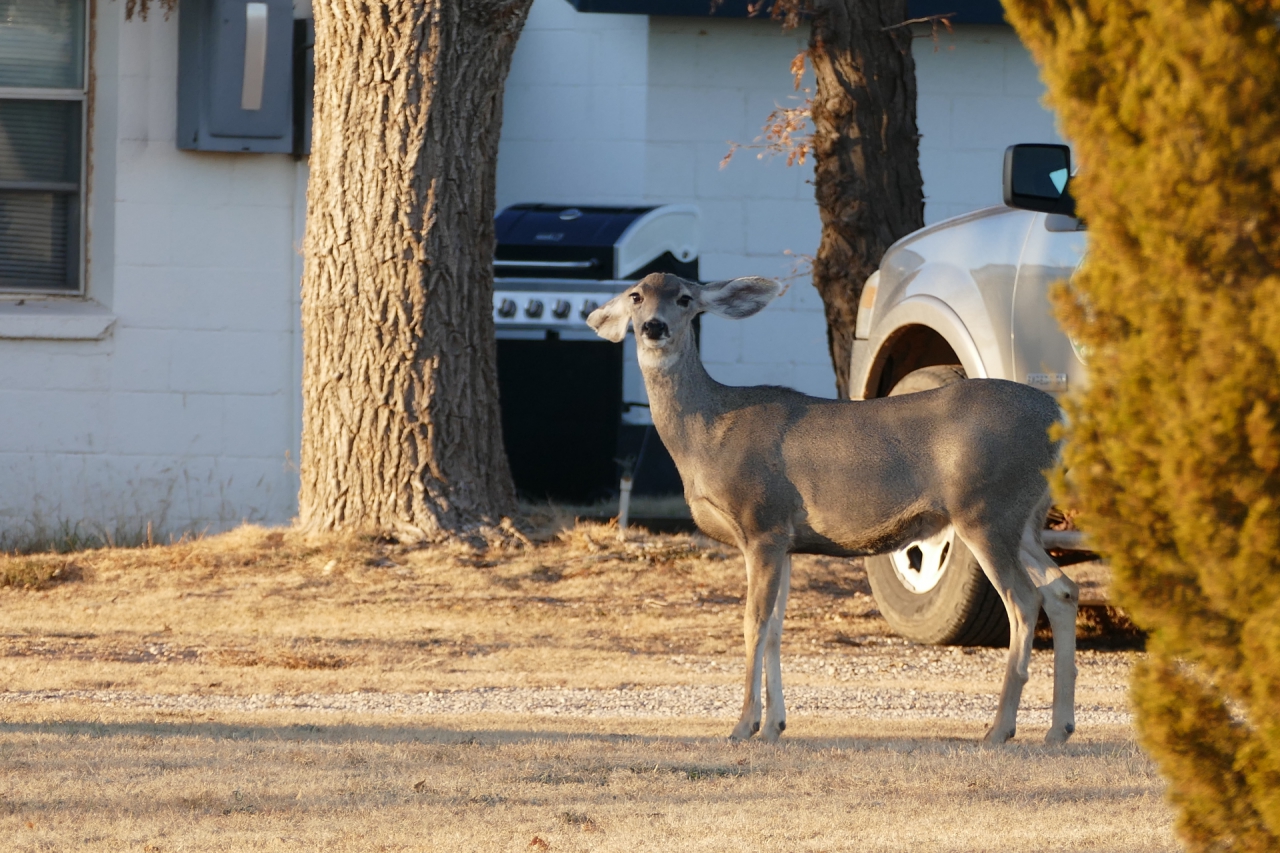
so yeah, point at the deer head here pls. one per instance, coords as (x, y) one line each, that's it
(661, 308)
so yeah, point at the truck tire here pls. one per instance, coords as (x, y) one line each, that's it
(934, 591)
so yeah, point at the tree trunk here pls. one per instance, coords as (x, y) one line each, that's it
(401, 430)
(866, 153)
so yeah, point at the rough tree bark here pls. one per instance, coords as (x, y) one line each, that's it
(866, 153)
(401, 429)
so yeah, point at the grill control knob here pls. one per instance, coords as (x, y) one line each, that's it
(533, 309)
(588, 305)
(507, 308)
(560, 310)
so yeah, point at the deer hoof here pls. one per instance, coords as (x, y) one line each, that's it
(1059, 734)
(772, 732)
(996, 736)
(744, 730)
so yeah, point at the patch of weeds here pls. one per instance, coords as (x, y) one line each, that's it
(697, 774)
(66, 537)
(204, 801)
(37, 572)
(474, 562)
(238, 805)
(546, 574)
(508, 583)
(293, 661)
(584, 822)
(235, 657)
(486, 800)
(692, 772)
(287, 660)
(550, 778)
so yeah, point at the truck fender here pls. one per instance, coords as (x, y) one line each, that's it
(917, 310)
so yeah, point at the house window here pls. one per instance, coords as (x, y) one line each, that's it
(42, 121)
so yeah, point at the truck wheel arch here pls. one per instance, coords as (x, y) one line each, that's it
(921, 331)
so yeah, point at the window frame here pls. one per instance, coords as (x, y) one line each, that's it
(83, 95)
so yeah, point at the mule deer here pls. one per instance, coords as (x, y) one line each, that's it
(776, 472)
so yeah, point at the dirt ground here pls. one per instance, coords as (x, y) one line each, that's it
(267, 690)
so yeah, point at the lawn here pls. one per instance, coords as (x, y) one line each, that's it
(265, 690)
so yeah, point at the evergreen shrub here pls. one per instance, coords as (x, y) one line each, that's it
(1173, 453)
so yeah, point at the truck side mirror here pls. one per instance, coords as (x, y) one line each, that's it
(1036, 176)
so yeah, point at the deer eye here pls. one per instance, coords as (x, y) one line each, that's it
(636, 299)
(684, 301)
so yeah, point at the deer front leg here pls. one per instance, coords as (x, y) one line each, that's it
(766, 566)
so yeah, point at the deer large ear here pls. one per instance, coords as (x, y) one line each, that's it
(738, 297)
(610, 320)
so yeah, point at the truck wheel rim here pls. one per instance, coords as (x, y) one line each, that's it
(920, 565)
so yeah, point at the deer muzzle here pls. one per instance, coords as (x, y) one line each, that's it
(654, 330)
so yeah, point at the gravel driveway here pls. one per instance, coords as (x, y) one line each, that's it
(888, 680)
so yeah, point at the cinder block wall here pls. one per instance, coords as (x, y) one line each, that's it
(712, 81)
(184, 415)
(573, 124)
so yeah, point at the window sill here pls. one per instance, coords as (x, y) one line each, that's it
(54, 320)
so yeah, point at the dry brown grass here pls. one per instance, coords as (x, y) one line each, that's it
(274, 611)
(261, 608)
(139, 782)
(38, 572)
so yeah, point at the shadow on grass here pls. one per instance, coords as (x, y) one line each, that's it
(342, 734)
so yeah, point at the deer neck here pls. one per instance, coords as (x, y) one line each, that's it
(683, 398)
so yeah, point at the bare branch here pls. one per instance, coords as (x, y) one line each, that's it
(944, 18)
(797, 68)
(786, 131)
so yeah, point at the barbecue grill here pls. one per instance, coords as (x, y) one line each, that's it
(573, 404)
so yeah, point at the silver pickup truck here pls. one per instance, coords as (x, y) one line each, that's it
(969, 297)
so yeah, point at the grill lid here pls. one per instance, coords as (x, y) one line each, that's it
(596, 242)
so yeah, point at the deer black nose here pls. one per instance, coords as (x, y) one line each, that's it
(654, 329)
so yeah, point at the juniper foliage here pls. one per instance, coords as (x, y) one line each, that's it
(1174, 450)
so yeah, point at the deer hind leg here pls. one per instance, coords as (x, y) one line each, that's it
(766, 566)
(1022, 601)
(1061, 603)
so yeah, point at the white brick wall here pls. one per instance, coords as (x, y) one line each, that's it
(979, 92)
(184, 415)
(712, 82)
(715, 81)
(574, 109)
